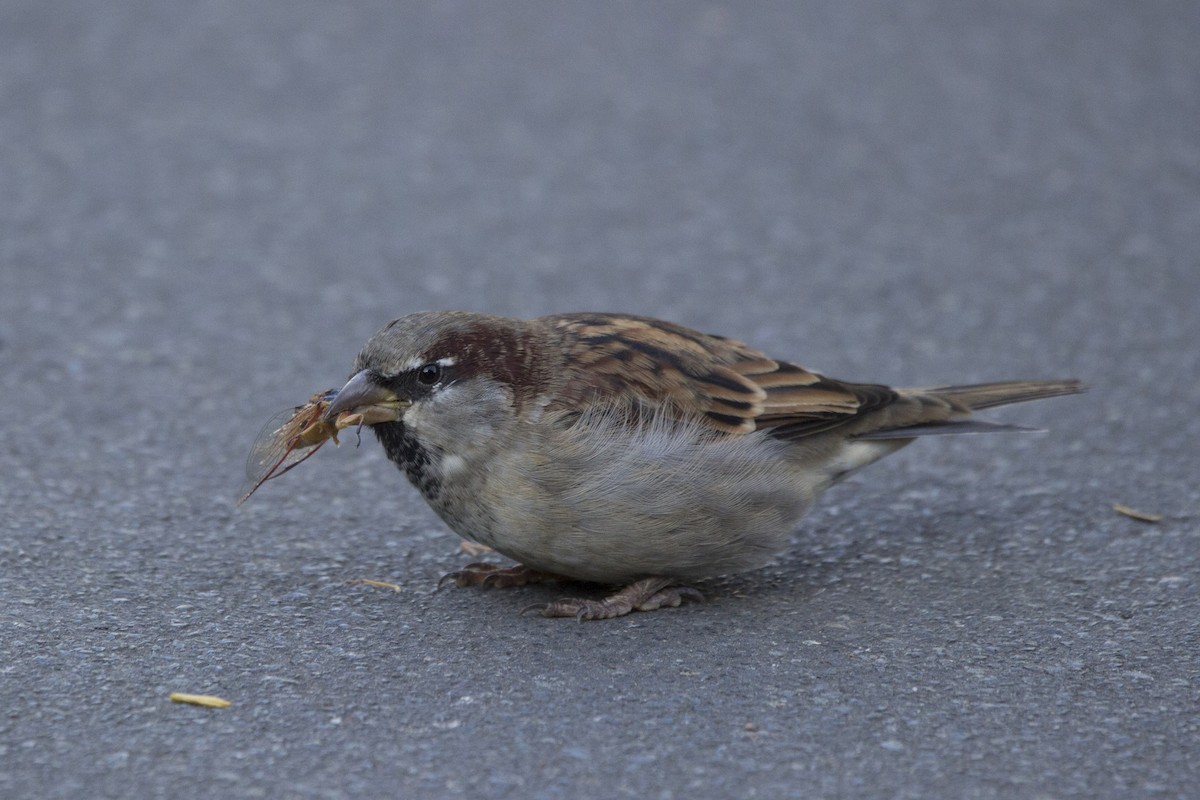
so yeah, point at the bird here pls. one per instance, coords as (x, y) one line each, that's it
(625, 450)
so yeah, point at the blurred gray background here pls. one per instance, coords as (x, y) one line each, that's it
(208, 206)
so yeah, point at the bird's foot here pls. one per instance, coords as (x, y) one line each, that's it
(496, 576)
(649, 594)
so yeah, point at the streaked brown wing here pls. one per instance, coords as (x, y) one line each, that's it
(822, 406)
(731, 386)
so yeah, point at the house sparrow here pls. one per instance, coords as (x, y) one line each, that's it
(626, 450)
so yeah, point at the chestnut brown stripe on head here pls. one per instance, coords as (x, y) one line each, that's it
(467, 344)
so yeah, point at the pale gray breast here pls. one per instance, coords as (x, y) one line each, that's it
(600, 500)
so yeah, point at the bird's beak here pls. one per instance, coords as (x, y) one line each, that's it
(363, 396)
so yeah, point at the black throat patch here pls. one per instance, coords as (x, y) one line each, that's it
(406, 452)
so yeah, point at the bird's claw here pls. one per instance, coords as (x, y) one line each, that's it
(495, 576)
(650, 594)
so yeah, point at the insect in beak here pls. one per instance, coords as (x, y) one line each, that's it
(292, 436)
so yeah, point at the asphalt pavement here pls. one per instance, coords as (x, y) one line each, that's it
(208, 206)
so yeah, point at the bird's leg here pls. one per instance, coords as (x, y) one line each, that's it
(497, 576)
(648, 594)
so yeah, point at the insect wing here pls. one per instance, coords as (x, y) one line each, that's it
(278, 447)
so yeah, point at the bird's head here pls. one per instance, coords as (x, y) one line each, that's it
(451, 378)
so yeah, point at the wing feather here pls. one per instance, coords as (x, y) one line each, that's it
(730, 386)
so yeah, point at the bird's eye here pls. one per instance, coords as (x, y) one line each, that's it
(429, 374)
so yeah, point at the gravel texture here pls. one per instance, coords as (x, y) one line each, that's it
(208, 207)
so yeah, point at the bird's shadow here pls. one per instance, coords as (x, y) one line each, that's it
(798, 574)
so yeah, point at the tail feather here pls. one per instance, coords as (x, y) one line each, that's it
(948, 409)
(988, 395)
(946, 428)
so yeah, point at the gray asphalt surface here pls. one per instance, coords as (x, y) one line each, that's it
(208, 206)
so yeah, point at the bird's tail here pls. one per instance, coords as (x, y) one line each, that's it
(987, 395)
(947, 409)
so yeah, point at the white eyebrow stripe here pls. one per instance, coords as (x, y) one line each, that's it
(448, 361)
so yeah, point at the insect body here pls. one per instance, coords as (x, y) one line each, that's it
(290, 437)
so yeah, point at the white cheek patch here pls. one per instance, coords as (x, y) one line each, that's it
(444, 411)
(452, 464)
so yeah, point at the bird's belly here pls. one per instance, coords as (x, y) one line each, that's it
(640, 507)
